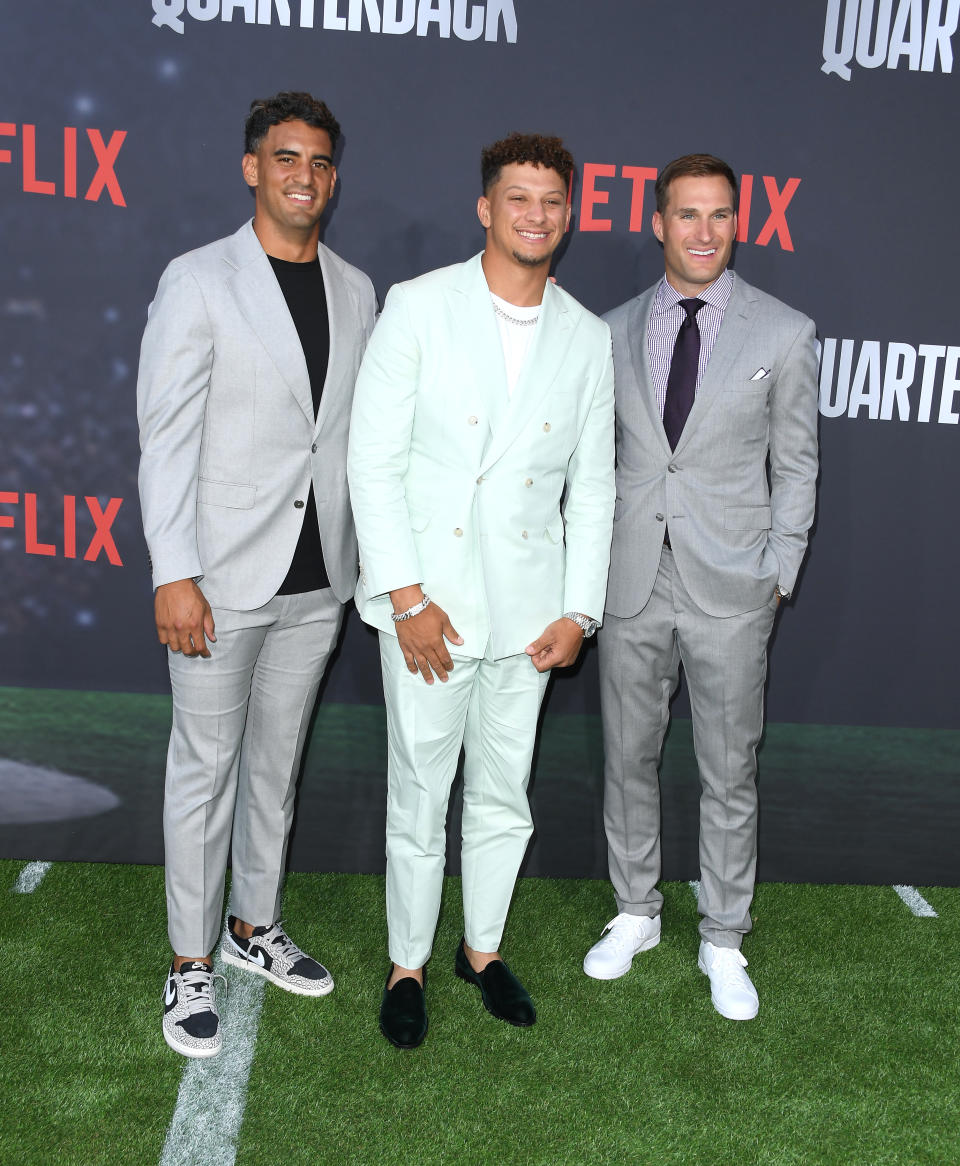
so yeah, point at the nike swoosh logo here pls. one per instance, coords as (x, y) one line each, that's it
(256, 957)
(171, 993)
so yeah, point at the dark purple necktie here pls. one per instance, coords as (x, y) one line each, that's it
(682, 381)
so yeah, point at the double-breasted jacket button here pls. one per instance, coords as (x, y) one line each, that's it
(671, 469)
(458, 531)
(313, 448)
(528, 482)
(471, 420)
(546, 427)
(299, 504)
(659, 518)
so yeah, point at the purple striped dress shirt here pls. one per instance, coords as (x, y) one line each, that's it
(666, 318)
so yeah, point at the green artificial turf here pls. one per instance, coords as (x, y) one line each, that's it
(852, 1059)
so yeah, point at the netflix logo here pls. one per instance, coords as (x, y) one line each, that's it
(58, 523)
(761, 217)
(69, 157)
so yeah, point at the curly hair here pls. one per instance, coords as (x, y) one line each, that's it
(692, 166)
(271, 111)
(550, 153)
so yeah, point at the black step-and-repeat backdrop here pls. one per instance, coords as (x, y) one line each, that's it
(120, 145)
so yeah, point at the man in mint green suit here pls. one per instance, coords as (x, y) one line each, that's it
(485, 398)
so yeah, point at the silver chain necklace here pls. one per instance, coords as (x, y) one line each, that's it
(513, 319)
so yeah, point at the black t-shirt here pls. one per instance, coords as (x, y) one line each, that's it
(302, 287)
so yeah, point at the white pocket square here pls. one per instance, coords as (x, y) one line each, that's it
(760, 374)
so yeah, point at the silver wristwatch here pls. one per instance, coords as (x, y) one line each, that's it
(587, 625)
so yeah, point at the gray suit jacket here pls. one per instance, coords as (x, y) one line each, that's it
(735, 530)
(227, 432)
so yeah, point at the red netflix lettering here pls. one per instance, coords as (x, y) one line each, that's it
(779, 200)
(593, 196)
(104, 155)
(102, 542)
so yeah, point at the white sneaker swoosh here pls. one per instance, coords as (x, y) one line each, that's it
(171, 993)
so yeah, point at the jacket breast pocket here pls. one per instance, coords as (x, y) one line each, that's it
(231, 494)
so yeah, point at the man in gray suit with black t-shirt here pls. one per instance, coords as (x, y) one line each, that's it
(245, 387)
(716, 401)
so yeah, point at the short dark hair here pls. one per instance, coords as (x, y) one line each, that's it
(550, 153)
(271, 111)
(692, 166)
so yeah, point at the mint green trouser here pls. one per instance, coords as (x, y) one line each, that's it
(491, 708)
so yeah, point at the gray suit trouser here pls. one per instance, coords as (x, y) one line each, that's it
(725, 663)
(239, 723)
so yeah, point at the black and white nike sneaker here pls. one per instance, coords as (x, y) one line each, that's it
(191, 1024)
(270, 952)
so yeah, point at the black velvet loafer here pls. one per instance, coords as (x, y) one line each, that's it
(403, 1012)
(502, 993)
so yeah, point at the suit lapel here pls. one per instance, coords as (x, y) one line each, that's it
(265, 311)
(480, 338)
(544, 361)
(640, 360)
(342, 316)
(734, 331)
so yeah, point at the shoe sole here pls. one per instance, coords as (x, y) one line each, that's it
(248, 966)
(647, 945)
(505, 1019)
(189, 1050)
(727, 1015)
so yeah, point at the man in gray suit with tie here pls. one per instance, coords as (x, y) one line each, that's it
(246, 381)
(716, 402)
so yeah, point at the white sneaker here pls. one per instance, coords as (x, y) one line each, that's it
(621, 939)
(731, 989)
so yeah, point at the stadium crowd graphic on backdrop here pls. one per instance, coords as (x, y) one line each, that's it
(835, 116)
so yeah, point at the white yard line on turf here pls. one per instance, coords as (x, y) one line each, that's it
(916, 902)
(31, 877)
(213, 1093)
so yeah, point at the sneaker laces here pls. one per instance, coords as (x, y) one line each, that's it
(621, 932)
(199, 984)
(288, 949)
(728, 963)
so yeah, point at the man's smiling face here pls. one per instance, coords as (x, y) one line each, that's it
(525, 213)
(293, 175)
(697, 230)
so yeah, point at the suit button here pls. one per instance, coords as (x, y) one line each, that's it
(298, 504)
(659, 518)
(458, 532)
(471, 420)
(313, 448)
(672, 469)
(546, 427)
(528, 482)
(523, 534)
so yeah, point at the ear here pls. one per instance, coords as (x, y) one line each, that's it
(567, 217)
(249, 167)
(483, 211)
(657, 224)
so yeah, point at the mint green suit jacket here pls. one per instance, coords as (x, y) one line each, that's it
(500, 506)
